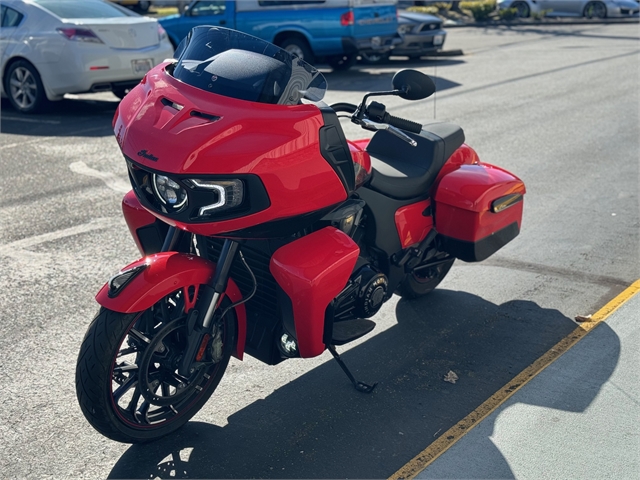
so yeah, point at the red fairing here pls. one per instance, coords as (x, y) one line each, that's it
(361, 161)
(278, 143)
(136, 217)
(463, 202)
(411, 223)
(312, 271)
(165, 273)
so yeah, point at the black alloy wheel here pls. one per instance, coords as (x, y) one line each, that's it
(127, 379)
(424, 279)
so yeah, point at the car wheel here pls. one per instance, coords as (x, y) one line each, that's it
(298, 47)
(143, 6)
(595, 10)
(522, 9)
(342, 62)
(24, 87)
(374, 58)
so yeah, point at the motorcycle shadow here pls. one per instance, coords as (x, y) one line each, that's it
(319, 427)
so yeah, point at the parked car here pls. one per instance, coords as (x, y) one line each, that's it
(575, 8)
(140, 5)
(52, 47)
(334, 31)
(422, 34)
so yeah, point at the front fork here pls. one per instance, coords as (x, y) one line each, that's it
(199, 325)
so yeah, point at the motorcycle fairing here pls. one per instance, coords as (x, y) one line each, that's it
(278, 143)
(312, 271)
(471, 227)
(165, 273)
(147, 231)
(413, 222)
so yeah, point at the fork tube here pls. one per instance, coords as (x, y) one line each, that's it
(221, 278)
(171, 239)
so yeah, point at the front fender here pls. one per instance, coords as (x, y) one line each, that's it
(165, 273)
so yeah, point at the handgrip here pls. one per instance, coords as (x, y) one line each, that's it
(403, 124)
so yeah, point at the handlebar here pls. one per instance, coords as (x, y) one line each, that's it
(404, 124)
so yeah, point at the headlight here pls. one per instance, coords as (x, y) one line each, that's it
(229, 193)
(169, 192)
(404, 29)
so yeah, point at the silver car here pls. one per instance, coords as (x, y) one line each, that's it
(573, 8)
(421, 33)
(52, 47)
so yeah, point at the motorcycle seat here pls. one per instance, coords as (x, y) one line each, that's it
(402, 171)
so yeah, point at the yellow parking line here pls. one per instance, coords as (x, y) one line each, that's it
(455, 433)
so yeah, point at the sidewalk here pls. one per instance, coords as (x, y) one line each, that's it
(578, 418)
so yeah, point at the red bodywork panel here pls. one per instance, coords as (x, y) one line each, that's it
(278, 143)
(165, 273)
(136, 217)
(411, 224)
(463, 201)
(312, 271)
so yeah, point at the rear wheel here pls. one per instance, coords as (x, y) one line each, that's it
(342, 62)
(299, 47)
(24, 87)
(424, 279)
(127, 379)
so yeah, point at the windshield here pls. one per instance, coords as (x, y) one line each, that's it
(83, 9)
(237, 65)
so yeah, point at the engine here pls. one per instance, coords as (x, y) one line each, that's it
(363, 295)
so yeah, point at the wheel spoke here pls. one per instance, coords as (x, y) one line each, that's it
(126, 351)
(176, 380)
(125, 367)
(133, 404)
(139, 336)
(131, 382)
(15, 83)
(19, 73)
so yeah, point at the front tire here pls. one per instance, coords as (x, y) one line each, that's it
(420, 282)
(126, 375)
(522, 9)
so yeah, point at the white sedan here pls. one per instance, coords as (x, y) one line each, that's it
(52, 47)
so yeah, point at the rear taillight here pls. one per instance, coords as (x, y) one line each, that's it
(79, 35)
(347, 18)
(162, 33)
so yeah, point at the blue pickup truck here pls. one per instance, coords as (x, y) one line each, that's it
(331, 31)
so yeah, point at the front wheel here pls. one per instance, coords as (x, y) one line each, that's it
(424, 278)
(127, 379)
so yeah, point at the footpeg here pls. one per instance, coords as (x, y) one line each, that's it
(350, 330)
(360, 386)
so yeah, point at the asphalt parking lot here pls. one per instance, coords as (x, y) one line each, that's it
(556, 105)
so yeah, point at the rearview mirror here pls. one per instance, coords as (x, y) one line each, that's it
(413, 85)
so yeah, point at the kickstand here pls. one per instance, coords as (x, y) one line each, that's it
(359, 386)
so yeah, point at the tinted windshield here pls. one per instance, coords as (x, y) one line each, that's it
(82, 9)
(238, 65)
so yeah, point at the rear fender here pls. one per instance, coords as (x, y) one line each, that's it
(165, 273)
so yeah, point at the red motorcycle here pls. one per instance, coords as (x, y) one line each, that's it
(265, 231)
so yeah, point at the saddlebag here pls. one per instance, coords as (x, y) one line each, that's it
(478, 210)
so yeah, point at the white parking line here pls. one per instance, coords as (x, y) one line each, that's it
(17, 248)
(31, 120)
(110, 180)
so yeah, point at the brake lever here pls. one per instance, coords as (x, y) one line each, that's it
(374, 126)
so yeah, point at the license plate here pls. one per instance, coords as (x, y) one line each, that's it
(438, 39)
(140, 67)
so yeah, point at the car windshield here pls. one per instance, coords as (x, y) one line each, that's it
(82, 9)
(241, 66)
